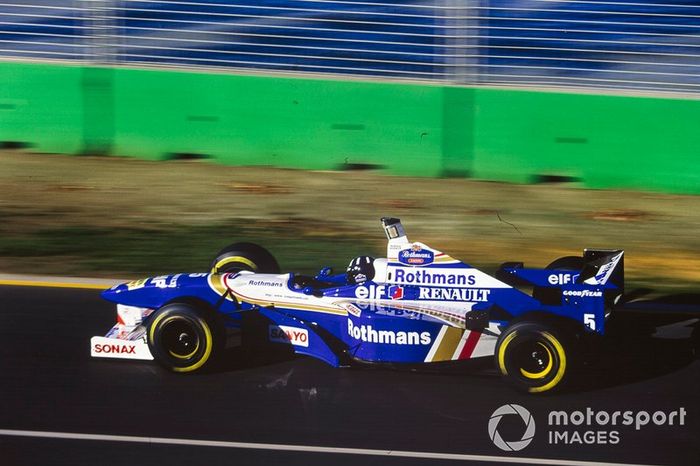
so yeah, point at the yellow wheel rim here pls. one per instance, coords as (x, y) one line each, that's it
(560, 370)
(229, 260)
(543, 372)
(208, 345)
(502, 353)
(559, 352)
(185, 356)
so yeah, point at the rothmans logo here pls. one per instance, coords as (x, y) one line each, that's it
(416, 256)
(367, 334)
(263, 283)
(429, 277)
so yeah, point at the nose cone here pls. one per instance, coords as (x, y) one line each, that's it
(113, 293)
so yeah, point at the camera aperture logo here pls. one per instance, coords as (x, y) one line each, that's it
(509, 410)
(580, 427)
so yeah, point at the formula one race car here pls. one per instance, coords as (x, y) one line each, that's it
(416, 306)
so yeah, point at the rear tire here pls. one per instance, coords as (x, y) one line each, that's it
(552, 296)
(244, 256)
(567, 263)
(184, 338)
(534, 357)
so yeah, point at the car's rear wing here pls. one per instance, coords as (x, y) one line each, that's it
(601, 269)
(603, 266)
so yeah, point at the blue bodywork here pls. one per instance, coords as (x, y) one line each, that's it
(423, 306)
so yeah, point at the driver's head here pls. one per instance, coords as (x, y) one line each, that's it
(360, 270)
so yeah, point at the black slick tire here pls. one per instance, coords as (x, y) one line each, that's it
(184, 338)
(244, 256)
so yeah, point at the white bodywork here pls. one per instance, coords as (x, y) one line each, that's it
(127, 339)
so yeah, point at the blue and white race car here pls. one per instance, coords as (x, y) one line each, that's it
(416, 306)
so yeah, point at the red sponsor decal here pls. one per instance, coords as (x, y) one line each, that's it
(115, 349)
(294, 335)
(469, 345)
(297, 336)
(291, 335)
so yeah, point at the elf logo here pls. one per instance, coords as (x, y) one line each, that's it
(562, 278)
(115, 349)
(289, 335)
(370, 292)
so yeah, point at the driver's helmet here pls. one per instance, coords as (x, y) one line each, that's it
(360, 270)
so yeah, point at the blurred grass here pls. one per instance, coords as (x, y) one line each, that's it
(185, 248)
(134, 252)
(118, 217)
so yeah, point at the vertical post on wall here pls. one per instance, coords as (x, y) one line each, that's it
(460, 20)
(100, 28)
(472, 39)
(458, 100)
(98, 74)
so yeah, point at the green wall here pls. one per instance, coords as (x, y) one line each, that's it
(42, 105)
(410, 129)
(251, 120)
(633, 142)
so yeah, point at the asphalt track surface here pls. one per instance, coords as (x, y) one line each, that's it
(50, 384)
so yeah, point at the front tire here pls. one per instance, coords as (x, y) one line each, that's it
(183, 338)
(244, 256)
(534, 357)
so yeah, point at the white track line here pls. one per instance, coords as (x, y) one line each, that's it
(303, 448)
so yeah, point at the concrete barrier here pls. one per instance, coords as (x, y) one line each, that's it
(406, 129)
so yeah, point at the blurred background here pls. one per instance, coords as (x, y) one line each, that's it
(497, 129)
